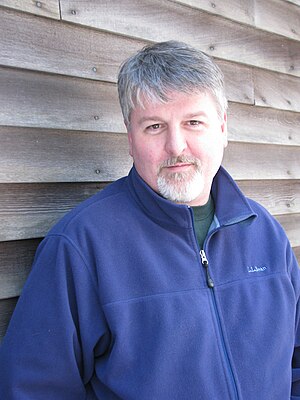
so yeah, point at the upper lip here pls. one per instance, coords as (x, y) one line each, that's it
(179, 164)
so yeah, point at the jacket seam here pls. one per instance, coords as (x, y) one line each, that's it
(78, 213)
(156, 295)
(249, 278)
(79, 252)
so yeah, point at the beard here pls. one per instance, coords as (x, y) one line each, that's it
(180, 187)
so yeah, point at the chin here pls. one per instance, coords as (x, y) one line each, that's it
(181, 192)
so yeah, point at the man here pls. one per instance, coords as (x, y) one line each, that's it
(169, 284)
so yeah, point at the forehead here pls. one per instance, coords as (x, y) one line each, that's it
(178, 105)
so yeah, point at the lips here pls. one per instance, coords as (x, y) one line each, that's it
(179, 166)
(179, 162)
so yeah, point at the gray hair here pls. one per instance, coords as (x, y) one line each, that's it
(158, 69)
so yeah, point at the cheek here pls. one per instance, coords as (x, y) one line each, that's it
(146, 161)
(148, 155)
(210, 154)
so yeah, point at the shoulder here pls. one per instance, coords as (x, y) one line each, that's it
(95, 210)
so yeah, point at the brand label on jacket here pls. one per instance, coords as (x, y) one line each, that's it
(256, 268)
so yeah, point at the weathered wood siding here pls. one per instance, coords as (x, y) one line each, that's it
(61, 131)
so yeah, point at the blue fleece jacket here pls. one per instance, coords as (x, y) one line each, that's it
(119, 305)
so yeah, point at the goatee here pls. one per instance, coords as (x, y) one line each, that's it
(180, 187)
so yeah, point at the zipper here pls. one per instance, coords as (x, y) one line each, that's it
(204, 261)
(210, 284)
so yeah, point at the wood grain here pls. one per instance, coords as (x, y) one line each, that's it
(237, 10)
(276, 16)
(279, 17)
(16, 258)
(276, 90)
(30, 210)
(6, 309)
(61, 48)
(40, 100)
(297, 253)
(150, 20)
(239, 85)
(45, 8)
(263, 125)
(255, 161)
(277, 196)
(34, 155)
(291, 226)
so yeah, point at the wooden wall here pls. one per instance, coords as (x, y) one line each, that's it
(61, 131)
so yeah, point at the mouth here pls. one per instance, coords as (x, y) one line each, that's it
(181, 164)
(178, 167)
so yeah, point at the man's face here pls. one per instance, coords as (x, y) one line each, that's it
(177, 147)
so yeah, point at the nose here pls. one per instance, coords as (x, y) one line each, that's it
(175, 141)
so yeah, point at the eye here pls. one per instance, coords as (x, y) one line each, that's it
(195, 122)
(153, 127)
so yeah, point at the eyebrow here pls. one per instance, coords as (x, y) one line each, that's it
(196, 114)
(187, 116)
(150, 118)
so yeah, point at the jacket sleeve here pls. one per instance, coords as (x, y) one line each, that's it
(56, 331)
(295, 276)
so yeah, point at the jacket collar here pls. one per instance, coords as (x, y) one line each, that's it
(231, 206)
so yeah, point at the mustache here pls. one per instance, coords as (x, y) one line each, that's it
(178, 160)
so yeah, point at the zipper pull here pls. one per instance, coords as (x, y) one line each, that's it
(204, 261)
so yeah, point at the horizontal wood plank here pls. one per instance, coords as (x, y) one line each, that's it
(35, 99)
(291, 225)
(6, 309)
(279, 17)
(45, 8)
(62, 48)
(150, 20)
(16, 259)
(239, 85)
(297, 253)
(33, 155)
(30, 210)
(277, 196)
(276, 16)
(254, 161)
(276, 90)
(263, 125)
(237, 10)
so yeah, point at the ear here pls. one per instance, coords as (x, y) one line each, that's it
(129, 137)
(224, 130)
